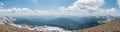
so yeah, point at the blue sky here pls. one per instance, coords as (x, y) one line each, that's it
(60, 7)
(37, 4)
(49, 4)
(110, 4)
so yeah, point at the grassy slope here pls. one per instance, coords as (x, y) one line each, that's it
(113, 26)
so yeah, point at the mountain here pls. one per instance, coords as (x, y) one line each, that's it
(5, 25)
(72, 24)
(113, 26)
(6, 20)
(9, 28)
(28, 21)
(64, 23)
(69, 23)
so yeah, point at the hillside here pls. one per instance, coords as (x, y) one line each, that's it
(113, 26)
(9, 28)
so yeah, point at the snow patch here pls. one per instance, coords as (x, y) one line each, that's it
(6, 20)
(41, 28)
(10, 21)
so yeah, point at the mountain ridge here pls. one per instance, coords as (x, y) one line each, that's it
(113, 26)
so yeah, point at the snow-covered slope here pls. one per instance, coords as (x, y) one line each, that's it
(6, 20)
(50, 29)
(59, 21)
(10, 21)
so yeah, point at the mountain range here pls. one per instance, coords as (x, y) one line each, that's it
(68, 23)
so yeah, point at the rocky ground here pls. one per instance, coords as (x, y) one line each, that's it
(9, 28)
(113, 26)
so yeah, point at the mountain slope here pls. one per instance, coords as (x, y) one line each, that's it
(64, 23)
(113, 26)
(9, 28)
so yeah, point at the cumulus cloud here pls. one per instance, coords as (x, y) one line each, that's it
(89, 7)
(86, 5)
(16, 11)
(79, 8)
(29, 12)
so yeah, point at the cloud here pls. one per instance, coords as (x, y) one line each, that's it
(79, 8)
(1, 4)
(118, 1)
(29, 12)
(16, 11)
(90, 7)
(86, 4)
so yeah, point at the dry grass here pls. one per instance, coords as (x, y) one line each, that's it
(113, 26)
(8, 28)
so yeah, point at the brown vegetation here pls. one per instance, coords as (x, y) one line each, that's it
(113, 26)
(8, 28)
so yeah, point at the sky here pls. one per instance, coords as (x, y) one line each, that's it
(37, 4)
(59, 7)
(49, 4)
(111, 4)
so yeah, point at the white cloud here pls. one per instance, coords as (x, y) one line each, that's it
(118, 1)
(86, 5)
(1, 4)
(79, 8)
(28, 12)
(16, 11)
(90, 7)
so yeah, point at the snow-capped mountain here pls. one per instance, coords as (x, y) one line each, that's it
(70, 23)
(56, 24)
(6, 20)
(11, 20)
